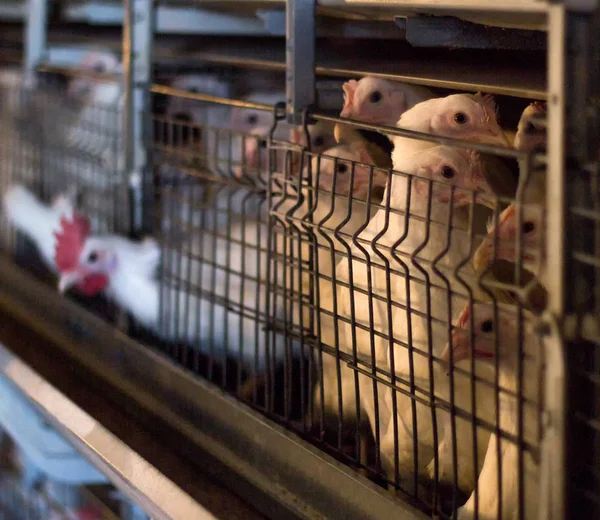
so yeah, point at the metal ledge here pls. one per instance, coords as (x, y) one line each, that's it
(158, 496)
(270, 463)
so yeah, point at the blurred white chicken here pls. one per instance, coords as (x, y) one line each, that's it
(252, 129)
(199, 112)
(220, 303)
(380, 101)
(96, 131)
(247, 154)
(195, 129)
(496, 335)
(420, 266)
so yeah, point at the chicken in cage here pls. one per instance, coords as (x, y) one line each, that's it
(388, 268)
(377, 281)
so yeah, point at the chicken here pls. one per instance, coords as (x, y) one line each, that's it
(321, 136)
(256, 127)
(501, 243)
(191, 111)
(397, 243)
(338, 175)
(347, 135)
(223, 303)
(251, 128)
(420, 262)
(197, 129)
(531, 134)
(461, 116)
(496, 339)
(380, 101)
(97, 129)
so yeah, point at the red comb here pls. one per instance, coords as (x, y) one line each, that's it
(69, 241)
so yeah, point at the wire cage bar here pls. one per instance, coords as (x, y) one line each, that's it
(397, 289)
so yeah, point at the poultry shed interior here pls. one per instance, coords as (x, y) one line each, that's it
(340, 259)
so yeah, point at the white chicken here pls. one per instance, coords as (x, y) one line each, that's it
(524, 220)
(380, 101)
(96, 131)
(337, 210)
(221, 305)
(416, 265)
(497, 338)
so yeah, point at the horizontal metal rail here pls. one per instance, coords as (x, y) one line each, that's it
(128, 471)
(276, 466)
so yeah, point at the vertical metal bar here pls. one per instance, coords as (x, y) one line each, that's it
(553, 448)
(300, 58)
(555, 181)
(138, 29)
(36, 28)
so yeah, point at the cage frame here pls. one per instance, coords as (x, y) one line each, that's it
(119, 359)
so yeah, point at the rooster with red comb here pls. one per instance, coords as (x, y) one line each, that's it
(123, 269)
(127, 273)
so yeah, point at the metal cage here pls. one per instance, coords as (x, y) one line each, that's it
(419, 305)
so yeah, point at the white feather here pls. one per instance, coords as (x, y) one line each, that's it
(35, 219)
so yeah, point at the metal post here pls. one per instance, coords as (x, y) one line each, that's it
(35, 36)
(138, 29)
(300, 58)
(573, 126)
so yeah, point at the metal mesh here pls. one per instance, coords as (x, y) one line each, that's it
(321, 287)
(64, 151)
(276, 287)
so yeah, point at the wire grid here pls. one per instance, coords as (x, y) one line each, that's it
(56, 146)
(275, 289)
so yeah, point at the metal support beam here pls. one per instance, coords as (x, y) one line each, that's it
(266, 465)
(138, 30)
(300, 58)
(134, 476)
(36, 28)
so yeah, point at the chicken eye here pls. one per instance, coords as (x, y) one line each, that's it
(487, 326)
(448, 172)
(342, 168)
(252, 119)
(99, 68)
(319, 141)
(375, 97)
(530, 128)
(194, 90)
(92, 257)
(460, 118)
(528, 227)
(263, 144)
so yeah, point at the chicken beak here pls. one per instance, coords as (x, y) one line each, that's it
(486, 199)
(68, 280)
(459, 346)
